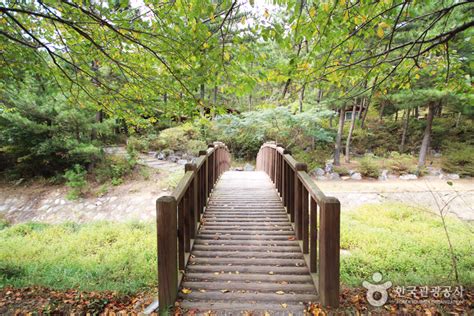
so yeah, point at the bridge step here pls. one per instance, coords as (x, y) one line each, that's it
(245, 256)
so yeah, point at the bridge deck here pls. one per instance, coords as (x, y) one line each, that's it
(245, 256)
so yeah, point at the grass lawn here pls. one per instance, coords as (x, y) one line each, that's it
(406, 245)
(89, 257)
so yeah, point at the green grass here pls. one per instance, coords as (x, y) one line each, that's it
(98, 256)
(407, 245)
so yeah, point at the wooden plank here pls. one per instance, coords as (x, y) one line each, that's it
(305, 219)
(166, 221)
(183, 185)
(181, 235)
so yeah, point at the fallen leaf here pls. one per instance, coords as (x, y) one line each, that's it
(186, 290)
(225, 291)
(280, 292)
(271, 272)
(284, 305)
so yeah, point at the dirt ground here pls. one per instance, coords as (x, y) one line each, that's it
(426, 193)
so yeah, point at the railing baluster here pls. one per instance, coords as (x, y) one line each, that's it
(305, 219)
(313, 236)
(181, 234)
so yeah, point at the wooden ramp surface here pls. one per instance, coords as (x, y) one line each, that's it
(245, 256)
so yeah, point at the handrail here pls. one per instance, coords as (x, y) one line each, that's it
(179, 216)
(302, 199)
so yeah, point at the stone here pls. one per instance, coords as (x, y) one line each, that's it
(408, 177)
(160, 156)
(384, 175)
(318, 172)
(356, 176)
(351, 172)
(329, 167)
(437, 155)
(334, 176)
(434, 171)
(248, 167)
(321, 178)
(238, 169)
(344, 178)
(182, 161)
(453, 176)
(173, 158)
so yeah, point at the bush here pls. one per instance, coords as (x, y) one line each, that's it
(343, 171)
(135, 144)
(401, 163)
(76, 181)
(369, 167)
(459, 159)
(114, 169)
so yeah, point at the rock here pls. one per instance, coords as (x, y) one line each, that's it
(437, 155)
(318, 172)
(239, 169)
(182, 161)
(334, 176)
(356, 176)
(434, 171)
(321, 178)
(345, 178)
(329, 167)
(160, 156)
(173, 158)
(408, 177)
(248, 167)
(452, 176)
(351, 172)
(384, 175)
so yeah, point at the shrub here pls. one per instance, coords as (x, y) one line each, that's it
(401, 163)
(115, 168)
(76, 181)
(459, 159)
(343, 171)
(369, 167)
(135, 144)
(176, 138)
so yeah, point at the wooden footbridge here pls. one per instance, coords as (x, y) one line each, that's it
(264, 241)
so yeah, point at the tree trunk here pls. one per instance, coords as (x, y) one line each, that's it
(250, 102)
(202, 95)
(396, 115)
(364, 115)
(320, 95)
(349, 136)
(425, 144)
(458, 120)
(359, 113)
(285, 88)
(381, 111)
(405, 130)
(165, 98)
(330, 120)
(417, 112)
(302, 97)
(340, 130)
(215, 95)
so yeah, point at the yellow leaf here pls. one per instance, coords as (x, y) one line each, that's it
(186, 290)
(326, 7)
(380, 32)
(346, 15)
(226, 56)
(266, 14)
(271, 273)
(205, 45)
(284, 305)
(213, 18)
(280, 292)
(243, 20)
(417, 76)
(312, 12)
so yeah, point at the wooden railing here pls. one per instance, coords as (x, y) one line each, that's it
(179, 215)
(302, 199)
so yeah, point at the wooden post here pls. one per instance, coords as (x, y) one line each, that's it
(181, 235)
(329, 247)
(167, 251)
(298, 210)
(313, 236)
